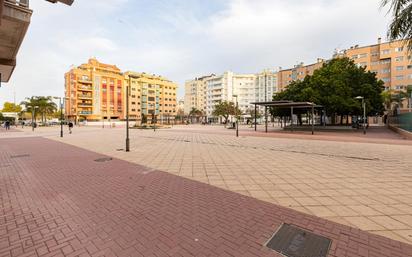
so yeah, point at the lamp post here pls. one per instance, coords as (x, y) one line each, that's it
(364, 112)
(237, 116)
(127, 116)
(61, 113)
(33, 111)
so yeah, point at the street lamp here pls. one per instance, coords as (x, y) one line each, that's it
(127, 114)
(237, 117)
(61, 112)
(33, 110)
(364, 112)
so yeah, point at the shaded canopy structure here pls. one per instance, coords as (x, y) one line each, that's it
(288, 105)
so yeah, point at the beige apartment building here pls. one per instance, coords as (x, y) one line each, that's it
(96, 91)
(195, 94)
(151, 96)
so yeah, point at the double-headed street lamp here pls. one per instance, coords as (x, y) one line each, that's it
(237, 116)
(364, 112)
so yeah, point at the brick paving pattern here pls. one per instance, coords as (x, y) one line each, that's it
(367, 186)
(57, 201)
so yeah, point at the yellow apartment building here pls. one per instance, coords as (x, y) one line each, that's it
(94, 91)
(151, 95)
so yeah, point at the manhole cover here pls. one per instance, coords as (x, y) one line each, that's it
(107, 159)
(291, 241)
(20, 156)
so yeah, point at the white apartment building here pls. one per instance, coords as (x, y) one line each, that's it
(205, 92)
(218, 89)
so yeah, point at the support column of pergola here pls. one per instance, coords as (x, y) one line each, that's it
(292, 106)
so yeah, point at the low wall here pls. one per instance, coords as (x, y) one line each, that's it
(404, 133)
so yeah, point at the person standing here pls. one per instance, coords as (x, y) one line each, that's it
(7, 125)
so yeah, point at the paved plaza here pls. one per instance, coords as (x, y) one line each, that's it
(254, 182)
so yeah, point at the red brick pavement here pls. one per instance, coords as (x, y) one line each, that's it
(60, 202)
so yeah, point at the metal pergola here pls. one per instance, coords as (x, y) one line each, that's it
(287, 105)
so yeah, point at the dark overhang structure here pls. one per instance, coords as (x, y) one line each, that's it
(285, 104)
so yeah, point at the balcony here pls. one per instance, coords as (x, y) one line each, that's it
(15, 18)
(85, 113)
(85, 96)
(85, 81)
(83, 88)
(85, 104)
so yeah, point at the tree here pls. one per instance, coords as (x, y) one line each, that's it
(11, 107)
(195, 113)
(42, 104)
(401, 24)
(335, 87)
(225, 109)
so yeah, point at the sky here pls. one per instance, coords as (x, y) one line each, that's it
(184, 39)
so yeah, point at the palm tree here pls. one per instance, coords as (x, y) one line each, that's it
(195, 113)
(401, 24)
(44, 104)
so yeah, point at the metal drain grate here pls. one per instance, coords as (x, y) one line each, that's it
(20, 156)
(106, 159)
(291, 241)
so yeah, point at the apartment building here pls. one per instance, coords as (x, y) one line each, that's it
(151, 96)
(390, 61)
(243, 88)
(298, 72)
(195, 94)
(94, 91)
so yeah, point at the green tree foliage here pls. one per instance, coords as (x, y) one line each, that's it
(335, 87)
(43, 105)
(11, 107)
(401, 24)
(225, 109)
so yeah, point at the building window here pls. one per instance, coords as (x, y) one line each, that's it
(386, 71)
(387, 51)
(399, 58)
(399, 49)
(386, 61)
(363, 55)
(400, 77)
(399, 68)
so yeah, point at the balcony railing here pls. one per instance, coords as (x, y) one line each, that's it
(85, 96)
(85, 104)
(85, 113)
(85, 88)
(21, 3)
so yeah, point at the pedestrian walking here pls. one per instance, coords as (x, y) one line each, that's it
(7, 125)
(70, 127)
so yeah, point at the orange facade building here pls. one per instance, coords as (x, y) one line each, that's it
(95, 91)
(390, 61)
